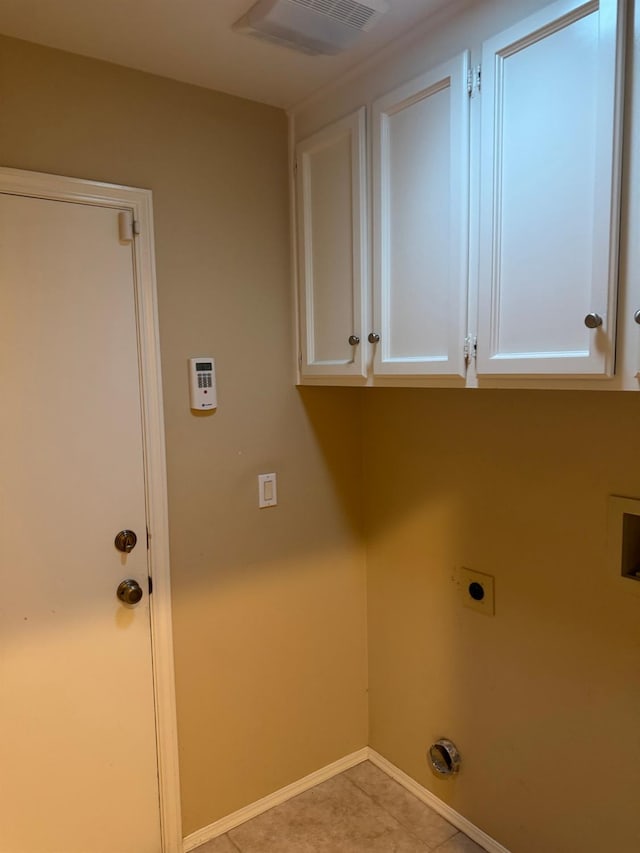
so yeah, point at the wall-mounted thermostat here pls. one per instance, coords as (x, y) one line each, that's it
(202, 383)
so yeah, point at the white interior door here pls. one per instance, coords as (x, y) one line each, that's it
(421, 216)
(551, 139)
(77, 728)
(332, 240)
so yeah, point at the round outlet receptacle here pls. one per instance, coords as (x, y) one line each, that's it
(476, 591)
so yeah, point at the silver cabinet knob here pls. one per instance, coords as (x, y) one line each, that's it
(592, 321)
(636, 317)
(374, 338)
(354, 340)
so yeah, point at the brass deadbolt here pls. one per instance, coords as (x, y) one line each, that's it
(125, 541)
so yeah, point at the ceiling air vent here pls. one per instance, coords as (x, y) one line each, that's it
(311, 26)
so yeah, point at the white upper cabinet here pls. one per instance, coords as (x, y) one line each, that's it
(420, 224)
(332, 260)
(549, 193)
(495, 209)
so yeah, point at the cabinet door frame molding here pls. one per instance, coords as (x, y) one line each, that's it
(450, 78)
(596, 357)
(350, 361)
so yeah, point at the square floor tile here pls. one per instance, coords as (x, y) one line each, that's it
(419, 819)
(334, 817)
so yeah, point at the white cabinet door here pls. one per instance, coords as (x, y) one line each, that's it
(421, 202)
(551, 92)
(332, 263)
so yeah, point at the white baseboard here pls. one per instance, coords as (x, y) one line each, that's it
(207, 833)
(423, 794)
(200, 836)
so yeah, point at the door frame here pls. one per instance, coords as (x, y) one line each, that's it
(139, 203)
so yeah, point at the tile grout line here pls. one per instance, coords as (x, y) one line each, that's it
(455, 835)
(378, 806)
(231, 841)
(397, 820)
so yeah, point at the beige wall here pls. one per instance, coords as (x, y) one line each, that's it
(542, 699)
(269, 606)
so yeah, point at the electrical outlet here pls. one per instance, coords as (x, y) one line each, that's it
(477, 590)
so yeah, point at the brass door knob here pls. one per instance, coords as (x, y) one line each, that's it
(374, 338)
(592, 321)
(129, 591)
(125, 541)
(354, 340)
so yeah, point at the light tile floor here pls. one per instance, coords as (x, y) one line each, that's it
(360, 811)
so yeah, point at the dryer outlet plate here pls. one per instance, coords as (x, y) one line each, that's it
(478, 591)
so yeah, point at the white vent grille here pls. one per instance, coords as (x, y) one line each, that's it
(311, 26)
(345, 11)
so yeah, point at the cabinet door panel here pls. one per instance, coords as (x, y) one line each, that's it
(421, 164)
(332, 244)
(549, 193)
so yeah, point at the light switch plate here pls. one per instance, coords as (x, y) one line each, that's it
(477, 591)
(267, 490)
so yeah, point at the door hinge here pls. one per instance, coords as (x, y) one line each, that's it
(149, 578)
(295, 168)
(148, 538)
(128, 227)
(474, 79)
(470, 348)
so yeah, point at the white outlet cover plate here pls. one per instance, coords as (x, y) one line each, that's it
(486, 605)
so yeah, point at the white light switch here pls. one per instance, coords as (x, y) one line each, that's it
(267, 490)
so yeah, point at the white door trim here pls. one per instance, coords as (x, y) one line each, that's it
(139, 202)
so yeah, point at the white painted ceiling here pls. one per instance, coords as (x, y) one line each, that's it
(192, 41)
